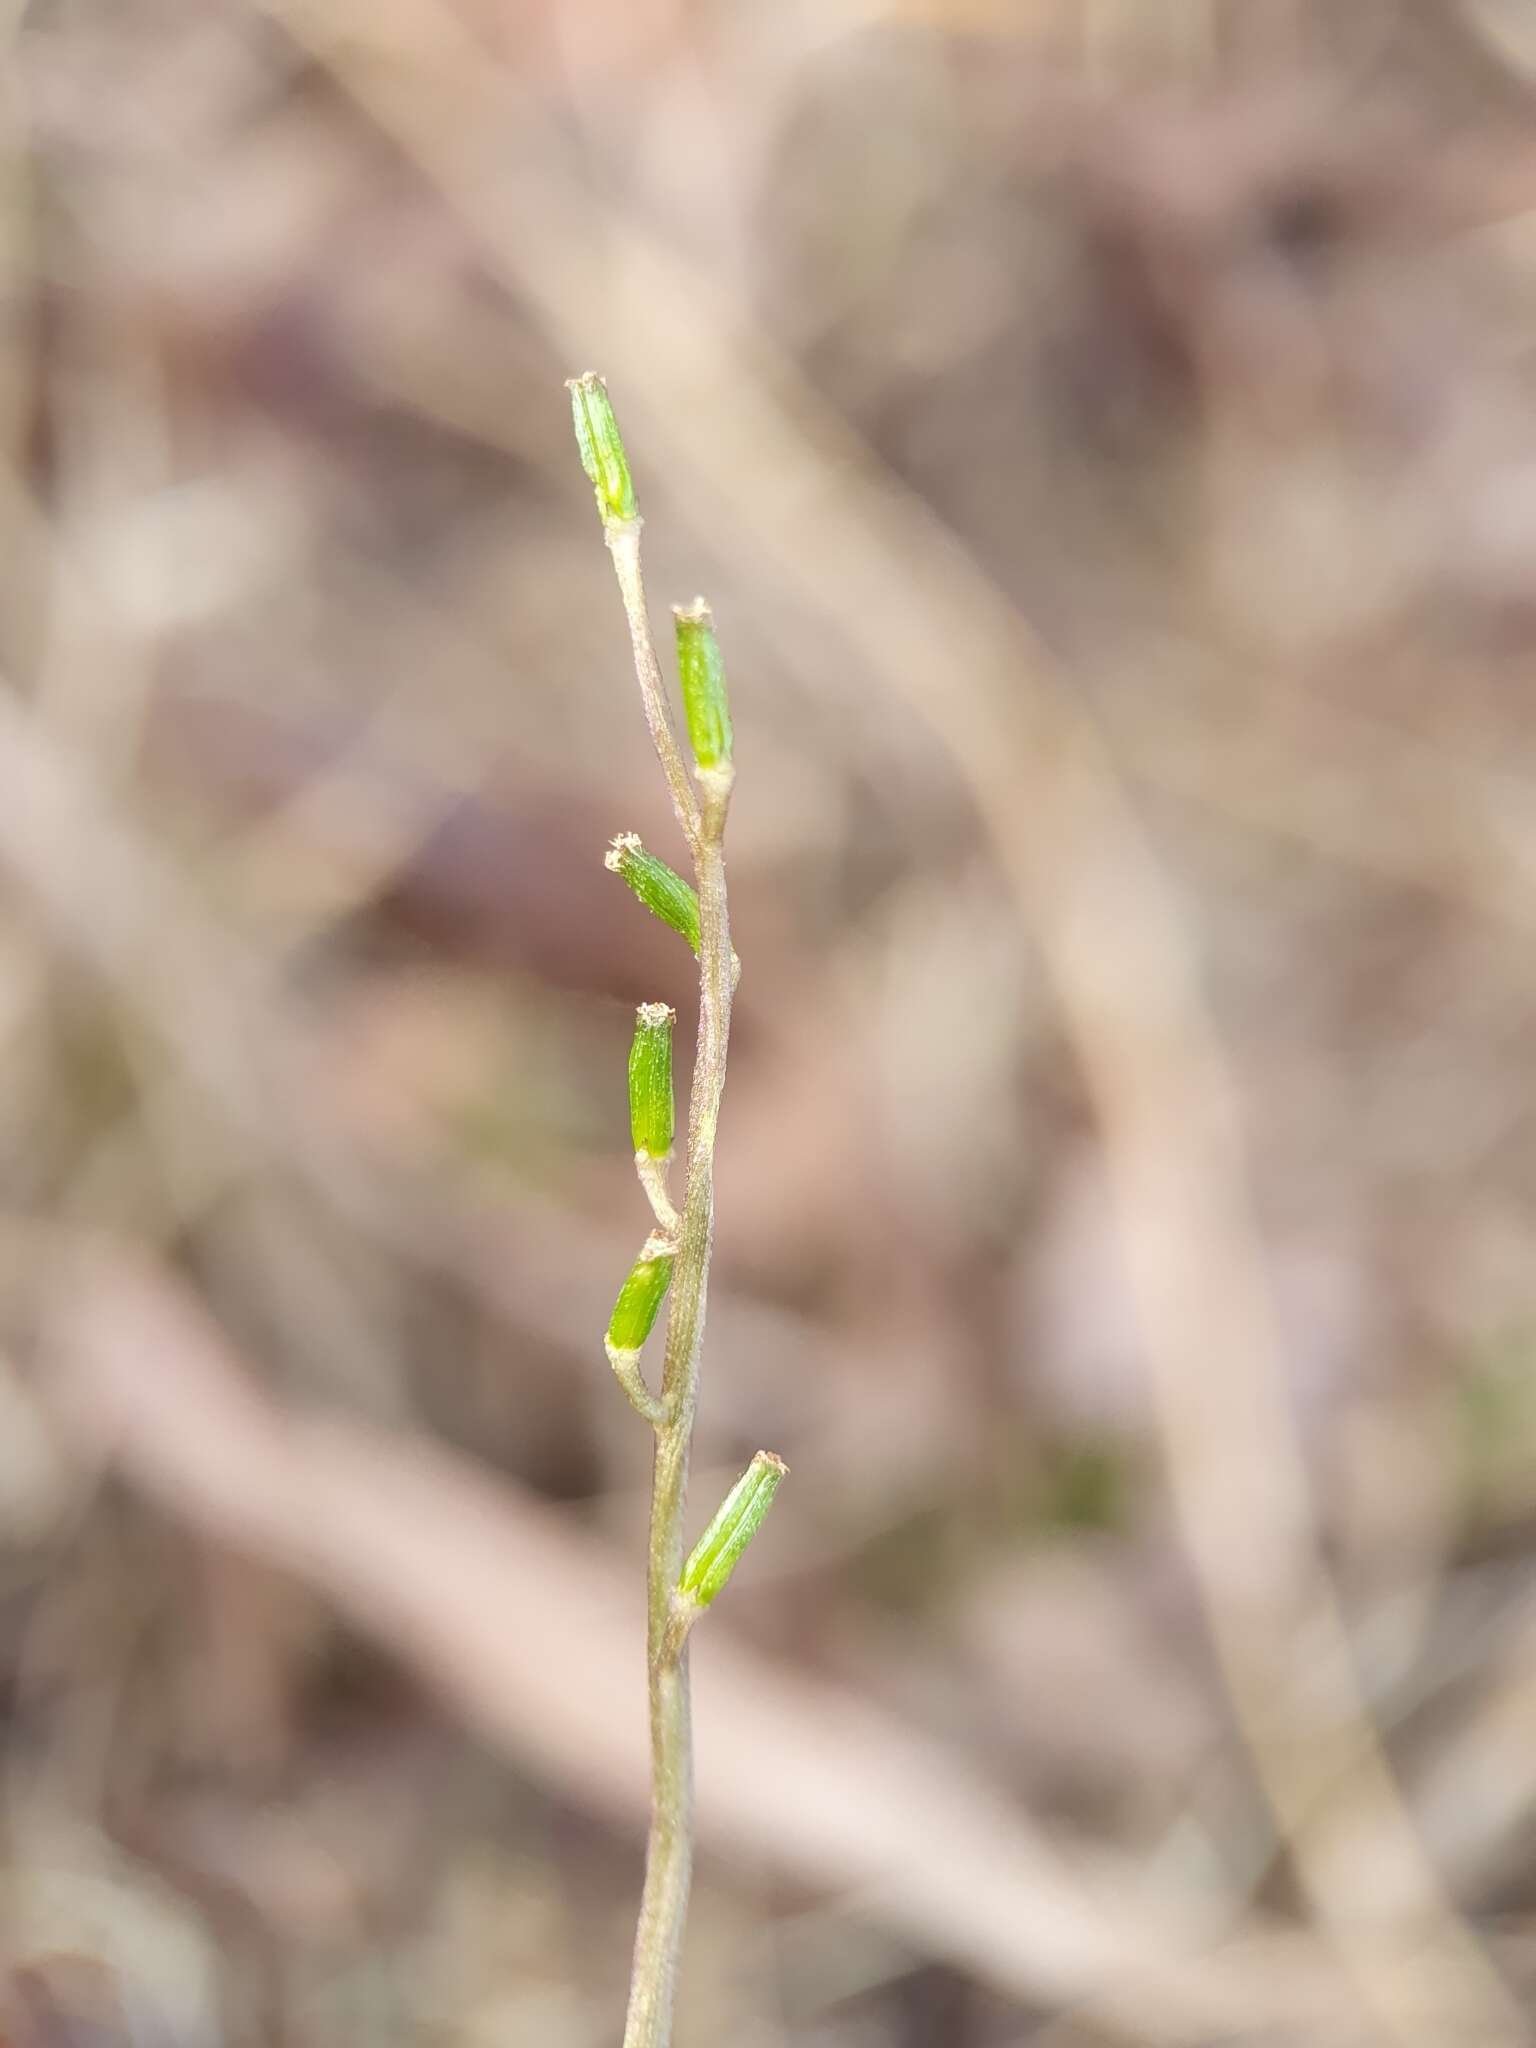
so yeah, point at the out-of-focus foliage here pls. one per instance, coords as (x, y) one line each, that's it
(1202, 331)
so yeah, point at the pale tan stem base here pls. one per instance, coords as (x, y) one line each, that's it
(668, 1859)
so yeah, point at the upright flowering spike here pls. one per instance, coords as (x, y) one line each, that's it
(736, 1521)
(663, 891)
(702, 676)
(677, 1255)
(651, 1111)
(602, 448)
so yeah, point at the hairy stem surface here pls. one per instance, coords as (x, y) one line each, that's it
(669, 1852)
(623, 537)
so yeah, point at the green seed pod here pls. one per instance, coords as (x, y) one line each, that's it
(602, 448)
(640, 1298)
(737, 1520)
(663, 892)
(702, 676)
(651, 1112)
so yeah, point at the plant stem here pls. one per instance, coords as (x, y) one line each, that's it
(652, 1175)
(669, 1851)
(702, 916)
(669, 1854)
(623, 538)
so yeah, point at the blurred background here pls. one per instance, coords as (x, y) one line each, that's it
(1106, 431)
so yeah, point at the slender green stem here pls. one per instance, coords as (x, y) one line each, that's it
(669, 1854)
(623, 538)
(689, 1238)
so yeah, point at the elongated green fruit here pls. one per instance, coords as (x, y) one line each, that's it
(737, 1520)
(663, 892)
(702, 676)
(640, 1298)
(651, 1113)
(602, 447)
